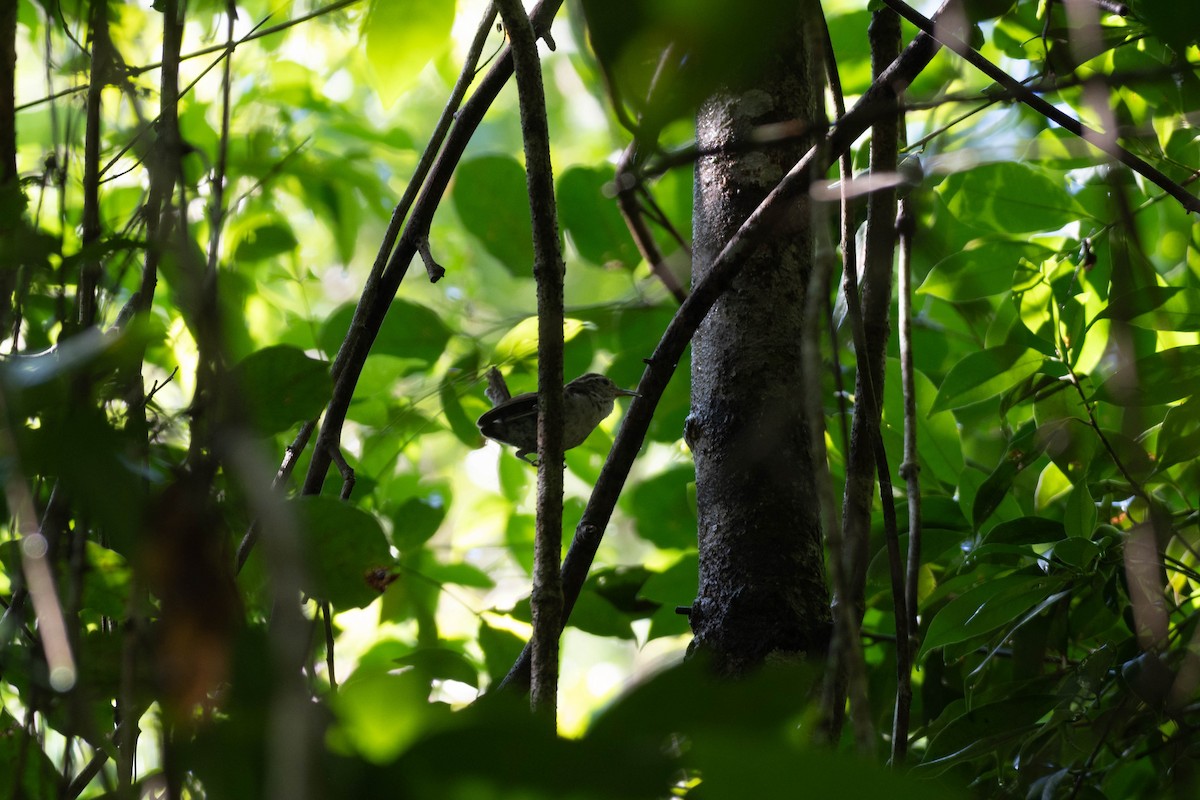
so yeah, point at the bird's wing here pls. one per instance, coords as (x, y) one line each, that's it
(520, 407)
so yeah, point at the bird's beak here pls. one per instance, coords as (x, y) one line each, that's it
(628, 393)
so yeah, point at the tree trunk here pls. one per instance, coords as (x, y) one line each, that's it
(762, 583)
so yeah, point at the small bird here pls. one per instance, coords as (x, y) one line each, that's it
(586, 401)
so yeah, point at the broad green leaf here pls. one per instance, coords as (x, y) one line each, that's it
(1025, 448)
(280, 386)
(416, 520)
(938, 445)
(664, 515)
(461, 424)
(981, 730)
(491, 198)
(673, 588)
(521, 341)
(592, 219)
(409, 331)
(1154, 379)
(265, 241)
(1010, 197)
(500, 650)
(381, 713)
(27, 770)
(1179, 437)
(346, 553)
(986, 268)
(401, 37)
(981, 610)
(1136, 303)
(1025, 531)
(984, 374)
(1079, 517)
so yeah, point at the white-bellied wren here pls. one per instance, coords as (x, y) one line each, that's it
(586, 401)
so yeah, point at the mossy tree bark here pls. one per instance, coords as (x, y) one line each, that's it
(762, 584)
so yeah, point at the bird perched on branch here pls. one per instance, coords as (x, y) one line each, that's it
(586, 401)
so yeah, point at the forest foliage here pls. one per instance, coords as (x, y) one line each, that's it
(174, 623)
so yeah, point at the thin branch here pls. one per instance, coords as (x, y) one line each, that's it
(101, 61)
(389, 270)
(1103, 142)
(846, 673)
(627, 187)
(216, 209)
(548, 269)
(910, 469)
(327, 621)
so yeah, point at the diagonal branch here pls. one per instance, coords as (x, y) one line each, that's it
(392, 265)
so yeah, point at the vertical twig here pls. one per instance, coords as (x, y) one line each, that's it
(847, 669)
(216, 208)
(10, 188)
(910, 469)
(548, 270)
(101, 63)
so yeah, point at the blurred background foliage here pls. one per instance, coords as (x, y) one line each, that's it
(1057, 337)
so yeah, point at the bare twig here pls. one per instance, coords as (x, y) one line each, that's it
(101, 67)
(910, 468)
(627, 187)
(547, 598)
(847, 670)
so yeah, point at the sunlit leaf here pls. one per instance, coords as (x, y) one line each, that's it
(985, 374)
(280, 386)
(346, 554)
(491, 198)
(1153, 379)
(1010, 197)
(591, 218)
(986, 268)
(401, 37)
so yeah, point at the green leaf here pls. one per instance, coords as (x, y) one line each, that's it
(1154, 379)
(1079, 517)
(981, 730)
(416, 520)
(491, 198)
(1025, 448)
(1136, 303)
(1010, 197)
(265, 241)
(985, 374)
(663, 512)
(345, 550)
(1026, 531)
(983, 609)
(280, 386)
(28, 771)
(501, 648)
(939, 447)
(592, 219)
(986, 268)
(409, 331)
(462, 425)
(401, 37)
